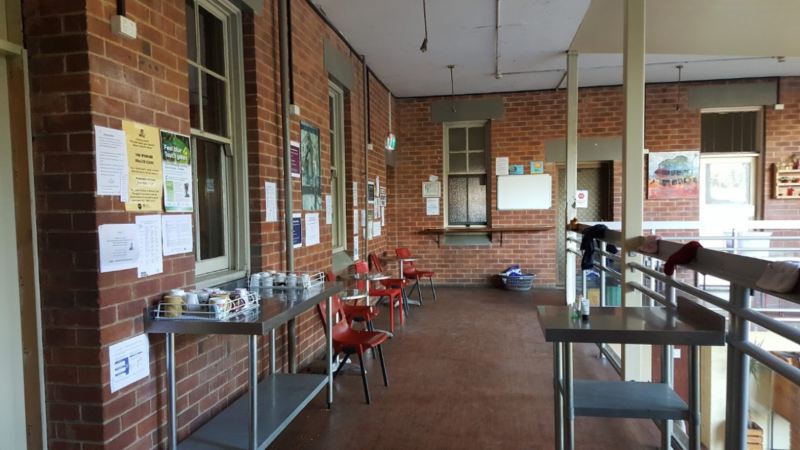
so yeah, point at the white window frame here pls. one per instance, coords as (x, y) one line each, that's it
(339, 226)
(446, 169)
(758, 153)
(234, 166)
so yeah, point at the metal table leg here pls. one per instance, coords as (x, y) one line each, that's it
(558, 401)
(272, 351)
(171, 408)
(694, 398)
(253, 353)
(329, 342)
(667, 377)
(291, 336)
(569, 403)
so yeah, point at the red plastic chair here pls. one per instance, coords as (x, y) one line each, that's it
(362, 267)
(355, 313)
(353, 342)
(395, 283)
(411, 272)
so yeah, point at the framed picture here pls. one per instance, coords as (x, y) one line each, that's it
(537, 166)
(673, 175)
(431, 189)
(311, 179)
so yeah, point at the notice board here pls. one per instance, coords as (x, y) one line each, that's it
(524, 192)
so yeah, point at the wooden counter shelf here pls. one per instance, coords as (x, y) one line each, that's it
(439, 232)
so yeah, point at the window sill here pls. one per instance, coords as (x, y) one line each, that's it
(217, 278)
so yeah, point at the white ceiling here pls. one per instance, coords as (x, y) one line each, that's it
(534, 37)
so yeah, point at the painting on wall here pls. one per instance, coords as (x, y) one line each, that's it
(311, 171)
(673, 175)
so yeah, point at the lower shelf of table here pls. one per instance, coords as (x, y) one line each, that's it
(280, 398)
(627, 400)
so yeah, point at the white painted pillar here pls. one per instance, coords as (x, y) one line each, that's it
(636, 359)
(572, 166)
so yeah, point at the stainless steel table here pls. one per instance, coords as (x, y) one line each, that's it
(255, 420)
(365, 277)
(688, 324)
(400, 262)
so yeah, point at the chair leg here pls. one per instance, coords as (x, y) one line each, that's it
(370, 327)
(404, 301)
(364, 378)
(432, 289)
(341, 364)
(399, 307)
(391, 315)
(383, 366)
(412, 289)
(419, 291)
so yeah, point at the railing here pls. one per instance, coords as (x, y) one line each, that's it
(741, 273)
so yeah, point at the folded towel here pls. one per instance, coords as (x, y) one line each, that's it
(684, 255)
(780, 276)
(650, 245)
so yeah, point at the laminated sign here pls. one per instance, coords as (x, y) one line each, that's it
(144, 167)
(177, 155)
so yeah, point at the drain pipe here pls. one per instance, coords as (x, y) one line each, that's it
(366, 155)
(283, 25)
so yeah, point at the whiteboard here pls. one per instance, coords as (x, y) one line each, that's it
(523, 192)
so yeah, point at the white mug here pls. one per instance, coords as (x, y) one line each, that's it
(192, 299)
(177, 293)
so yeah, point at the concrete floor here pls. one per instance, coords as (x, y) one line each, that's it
(470, 370)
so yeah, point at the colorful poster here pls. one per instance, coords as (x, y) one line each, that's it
(673, 175)
(311, 178)
(145, 185)
(295, 150)
(537, 166)
(177, 162)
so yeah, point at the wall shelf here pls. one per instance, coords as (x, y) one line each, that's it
(439, 232)
(786, 183)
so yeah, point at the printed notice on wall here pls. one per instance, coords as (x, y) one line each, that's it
(111, 160)
(383, 216)
(355, 248)
(363, 218)
(432, 206)
(295, 151)
(119, 247)
(144, 167)
(271, 197)
(151, 261)
(582, 199)
(176, 234)
(355, 222)
(501, 166)
(177, 162)
(355, 194)
(297, 229)
(376, 229)
(312, 229)
(328, 209)
(130, 361)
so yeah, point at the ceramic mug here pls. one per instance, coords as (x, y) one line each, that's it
(192, 298)
(177, 292)
(174, 306)
(220, 304)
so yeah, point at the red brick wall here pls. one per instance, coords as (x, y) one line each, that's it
(82, 75)
(532, 118)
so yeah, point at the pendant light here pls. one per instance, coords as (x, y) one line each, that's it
(678, 96)
(452, 87)
(424, 47)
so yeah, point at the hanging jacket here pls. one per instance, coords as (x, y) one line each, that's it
(587, 244)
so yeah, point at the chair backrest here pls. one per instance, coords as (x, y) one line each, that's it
(376, 263)
(362, 267)
(329, 276)
(403, 252)
(336, 310)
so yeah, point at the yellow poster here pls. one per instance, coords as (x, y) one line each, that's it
(145, 184)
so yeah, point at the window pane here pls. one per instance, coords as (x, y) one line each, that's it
(212, 42)
(194, 97)
(458, 162)
(727, 183)
(476, 189)
(215, 117)
(477, 138)
(210, 207)
(477, 162)
(457, 200)
(335, 210)
(191, 31)
(457, 139)
(729, 132)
